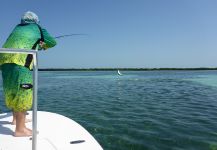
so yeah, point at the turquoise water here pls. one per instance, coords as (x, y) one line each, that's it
(153, 110)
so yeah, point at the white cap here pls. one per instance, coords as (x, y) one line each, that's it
(29, 17)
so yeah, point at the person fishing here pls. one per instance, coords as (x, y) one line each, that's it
(16, 68)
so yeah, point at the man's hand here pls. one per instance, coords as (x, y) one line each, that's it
(42, 45)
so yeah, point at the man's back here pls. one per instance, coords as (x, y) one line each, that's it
(24, 36)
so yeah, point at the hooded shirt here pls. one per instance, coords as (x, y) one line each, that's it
(24, 36)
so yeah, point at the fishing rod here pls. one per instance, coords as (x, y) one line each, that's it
(74, 34)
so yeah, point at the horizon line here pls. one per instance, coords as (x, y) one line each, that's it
(145, 69)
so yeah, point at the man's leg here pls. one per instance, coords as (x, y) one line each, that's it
(21, 129)
(14, 119)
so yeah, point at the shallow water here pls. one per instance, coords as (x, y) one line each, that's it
(139, 110)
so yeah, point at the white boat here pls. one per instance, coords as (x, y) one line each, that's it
(119, 73)
(55, 132)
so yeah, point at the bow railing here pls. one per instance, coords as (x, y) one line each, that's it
(35, 88)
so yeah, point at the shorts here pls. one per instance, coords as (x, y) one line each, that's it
(17, 85)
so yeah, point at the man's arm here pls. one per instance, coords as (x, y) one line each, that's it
(49, 41)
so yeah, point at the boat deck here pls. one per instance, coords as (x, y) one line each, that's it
(56, 132)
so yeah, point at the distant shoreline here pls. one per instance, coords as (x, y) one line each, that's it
(122, 69)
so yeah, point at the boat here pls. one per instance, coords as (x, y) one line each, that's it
(55, 132)
(51, 131)
(119, 73)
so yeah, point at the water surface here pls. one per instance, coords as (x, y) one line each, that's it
(153, 110)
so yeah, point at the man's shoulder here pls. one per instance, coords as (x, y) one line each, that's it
(29, 25)
(23, 28)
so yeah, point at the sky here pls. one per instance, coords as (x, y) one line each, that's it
(122, 33)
